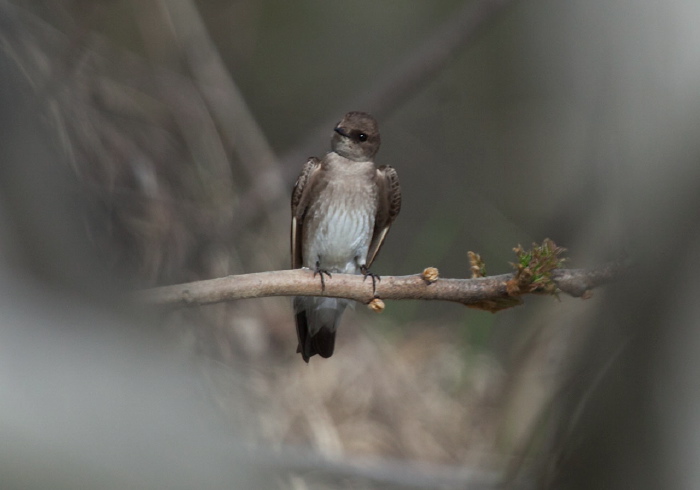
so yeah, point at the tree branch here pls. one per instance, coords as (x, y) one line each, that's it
(489, 293)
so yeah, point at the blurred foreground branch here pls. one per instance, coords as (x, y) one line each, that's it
(490, 293)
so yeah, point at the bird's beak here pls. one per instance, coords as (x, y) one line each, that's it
(340, 131)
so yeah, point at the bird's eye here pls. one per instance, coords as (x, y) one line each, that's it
(362, 137)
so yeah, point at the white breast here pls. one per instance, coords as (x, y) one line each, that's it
(343, 238)
(339, 225)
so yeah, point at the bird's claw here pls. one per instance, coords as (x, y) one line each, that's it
(319, 271)
(375, 277)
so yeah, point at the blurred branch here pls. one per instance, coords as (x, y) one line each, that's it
(140, 138)
(410, 74)
(403, 80)
(400, 82)
(388, 473)
(224, 99)
(490, 293)
(206, 143)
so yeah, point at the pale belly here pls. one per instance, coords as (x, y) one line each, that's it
(341, 237)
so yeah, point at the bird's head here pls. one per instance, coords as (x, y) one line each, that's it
(356, 137)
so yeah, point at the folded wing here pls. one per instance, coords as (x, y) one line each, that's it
(300, 201)
(389, 205)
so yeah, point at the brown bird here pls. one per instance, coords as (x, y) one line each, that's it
(342, 209)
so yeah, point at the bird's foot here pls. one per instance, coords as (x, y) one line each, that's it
(319, 271)
(375, 278)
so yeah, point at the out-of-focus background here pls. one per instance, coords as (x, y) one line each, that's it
(151, 142)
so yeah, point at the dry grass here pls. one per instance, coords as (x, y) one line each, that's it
(422, 398)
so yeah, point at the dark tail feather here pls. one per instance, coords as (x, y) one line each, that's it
(324, 342)
(315, 312)
(305, 346)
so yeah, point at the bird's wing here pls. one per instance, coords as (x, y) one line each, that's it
(300, 202)
(388, 207)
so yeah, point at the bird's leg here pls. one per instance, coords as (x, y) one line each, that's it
(375, 278)
(320, 272)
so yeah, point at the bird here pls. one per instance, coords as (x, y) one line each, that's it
(342, 208)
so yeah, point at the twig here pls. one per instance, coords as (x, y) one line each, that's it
(490, 293)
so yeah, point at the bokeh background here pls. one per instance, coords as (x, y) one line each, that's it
(152, 142)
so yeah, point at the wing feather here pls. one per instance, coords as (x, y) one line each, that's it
(388, 207)
(300, 202)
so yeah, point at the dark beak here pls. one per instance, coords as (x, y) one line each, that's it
(341, 131)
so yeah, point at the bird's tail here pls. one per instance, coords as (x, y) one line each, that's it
(317, 321)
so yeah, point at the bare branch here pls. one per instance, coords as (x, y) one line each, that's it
(579, 282)
(490, 293)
